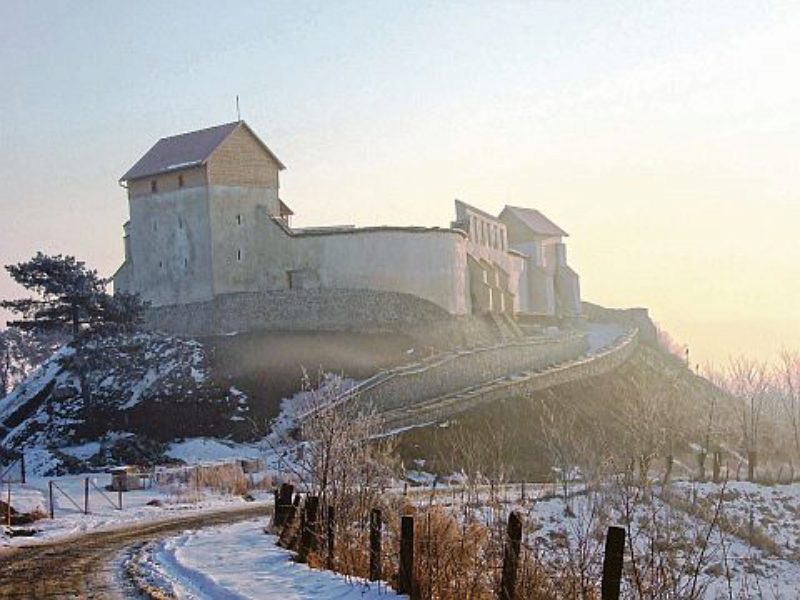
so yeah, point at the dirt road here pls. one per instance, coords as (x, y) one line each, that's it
(84, 567)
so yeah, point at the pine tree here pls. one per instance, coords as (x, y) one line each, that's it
(68, 295)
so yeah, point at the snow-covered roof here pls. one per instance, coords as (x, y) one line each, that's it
(187, 150)
(535, 220)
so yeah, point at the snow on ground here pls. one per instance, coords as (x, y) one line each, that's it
(753, 571)
(83, 451)
(197, 450)
(34, 383)
(771, 511)
(68, 494)
(240, 561)
(169, 500)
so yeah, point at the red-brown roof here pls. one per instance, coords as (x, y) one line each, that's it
(186, 150)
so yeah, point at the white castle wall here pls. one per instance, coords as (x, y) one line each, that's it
(191, 245)
(237, 216)
(428, 264)
(170, 248)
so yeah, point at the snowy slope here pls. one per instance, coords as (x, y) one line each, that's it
(118, 400)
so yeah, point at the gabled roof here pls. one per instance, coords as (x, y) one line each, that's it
(461, 205)
(535, 221)
(187, 150)
(283, 208)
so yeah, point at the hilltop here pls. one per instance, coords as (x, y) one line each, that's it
(147, 391)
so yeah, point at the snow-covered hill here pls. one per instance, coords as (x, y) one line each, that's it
(121, 398)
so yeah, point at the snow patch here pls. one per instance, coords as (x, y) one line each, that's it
(196, 450)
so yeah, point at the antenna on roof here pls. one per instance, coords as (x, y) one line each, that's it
(238, 112)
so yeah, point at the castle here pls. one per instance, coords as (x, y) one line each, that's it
(207, 222)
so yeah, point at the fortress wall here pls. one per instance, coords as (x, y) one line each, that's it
(236, 215)
(638, 318)
(519, 386)
(460, 370)
(170, 246)
(429, 264)
(307, 309)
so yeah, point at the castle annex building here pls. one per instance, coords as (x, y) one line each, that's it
(207, 222)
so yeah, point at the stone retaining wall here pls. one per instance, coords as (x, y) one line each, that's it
(411, 385)
(430, 326)
(521, 384)
(314, 309)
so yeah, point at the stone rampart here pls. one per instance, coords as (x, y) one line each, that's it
(630, 318)
(314, 309)
(411, 385)
(522, 383)
(323, 310)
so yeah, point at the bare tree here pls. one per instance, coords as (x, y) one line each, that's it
(748, 380)
(338, 455)
(788, 385)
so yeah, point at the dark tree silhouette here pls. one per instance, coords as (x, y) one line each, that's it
(68, 295)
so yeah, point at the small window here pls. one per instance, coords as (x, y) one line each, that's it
(238, 219)
(180, 223)
(295, 280)
(154, 186)
(161, 264)
(155, 225)
(180, 181)
(239, 255)
(185, 262)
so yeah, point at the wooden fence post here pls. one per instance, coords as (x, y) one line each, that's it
(308, 537)
(511, 554)
(288, 534)
(86, 496)
(119, 497)
(331, 537)
(52, 506)
(22, 466)
(282, 503)
(405, 583)
(612, 563)
(375, 525)
(8, 506)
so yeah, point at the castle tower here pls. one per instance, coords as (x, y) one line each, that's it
(548, 285)
(193, 201)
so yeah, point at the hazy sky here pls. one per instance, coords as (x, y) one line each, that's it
(663, 136)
